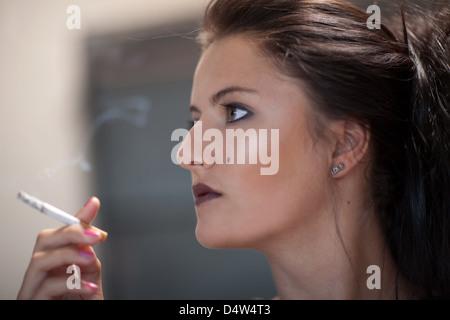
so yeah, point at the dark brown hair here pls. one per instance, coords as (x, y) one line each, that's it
(395, 83)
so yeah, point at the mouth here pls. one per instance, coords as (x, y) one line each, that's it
(203, 193)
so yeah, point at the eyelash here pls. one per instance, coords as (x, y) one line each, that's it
(237, 106)
(228, 106)
(189, 124)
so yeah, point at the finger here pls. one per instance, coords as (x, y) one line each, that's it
(57, 286)
(68, 235)
(89, 211)
(44, 263)
(95, 266)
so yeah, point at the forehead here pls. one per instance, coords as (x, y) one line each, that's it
(238, 62)
(232, 61)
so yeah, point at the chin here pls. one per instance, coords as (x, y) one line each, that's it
(210, 240)
(214, 238)
(223, 239)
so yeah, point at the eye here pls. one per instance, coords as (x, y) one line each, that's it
(235, 112)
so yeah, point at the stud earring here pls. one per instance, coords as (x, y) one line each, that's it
(337, 168)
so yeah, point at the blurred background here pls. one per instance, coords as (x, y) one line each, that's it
(89, 97)
(89, 109)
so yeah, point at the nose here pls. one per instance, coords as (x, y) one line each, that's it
(190, 153)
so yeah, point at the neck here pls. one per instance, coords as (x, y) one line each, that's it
(332, 261)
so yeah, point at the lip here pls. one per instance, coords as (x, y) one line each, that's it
(203, 193)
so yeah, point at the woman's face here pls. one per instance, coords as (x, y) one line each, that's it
(236, 87)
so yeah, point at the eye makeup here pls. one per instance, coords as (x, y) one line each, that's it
(236, 110)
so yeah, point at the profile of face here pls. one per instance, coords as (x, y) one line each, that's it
(237, 87)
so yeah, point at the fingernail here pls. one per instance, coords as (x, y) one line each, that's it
(86, 254)
(92, 233)
(87, 202)
(91, 285)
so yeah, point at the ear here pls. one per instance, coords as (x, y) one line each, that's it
(351, 144)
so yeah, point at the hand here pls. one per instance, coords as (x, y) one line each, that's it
(57, 249)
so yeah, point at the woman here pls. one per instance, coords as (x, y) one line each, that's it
(363, 149)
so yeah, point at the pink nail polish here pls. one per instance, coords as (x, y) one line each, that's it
(87, 202)
(92, 233)
(86, 254)
(91, 285)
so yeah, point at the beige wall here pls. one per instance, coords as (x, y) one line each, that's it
(43, 126)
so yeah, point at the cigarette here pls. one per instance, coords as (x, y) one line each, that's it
(56, 213)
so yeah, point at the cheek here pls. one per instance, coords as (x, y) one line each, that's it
(256, 206)
(258, 147)
(291, 196)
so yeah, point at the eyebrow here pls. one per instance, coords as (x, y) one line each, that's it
(224, 92)
(221, 94)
